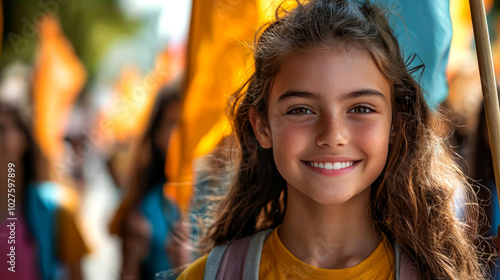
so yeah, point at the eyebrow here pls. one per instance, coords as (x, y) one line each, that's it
(303, 94)
(310, 95)
(361, 93)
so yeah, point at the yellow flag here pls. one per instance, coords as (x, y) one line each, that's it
(462, 34)
(58, 78)
(218, 62)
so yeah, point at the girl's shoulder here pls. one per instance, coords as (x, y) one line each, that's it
(194, 271)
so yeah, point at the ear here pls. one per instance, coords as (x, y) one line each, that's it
(260, 129)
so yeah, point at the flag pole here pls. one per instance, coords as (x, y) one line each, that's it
(488, 83)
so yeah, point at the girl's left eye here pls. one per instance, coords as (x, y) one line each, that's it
(299, 111)
(361, 110)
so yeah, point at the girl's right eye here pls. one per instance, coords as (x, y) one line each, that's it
(299, 111)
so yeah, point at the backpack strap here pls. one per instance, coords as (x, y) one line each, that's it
(213, 262)
(405, 268)
(397, 252)
(233, 261)
(254, 254)
(240, 259)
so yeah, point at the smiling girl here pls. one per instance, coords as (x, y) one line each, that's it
(341, 174)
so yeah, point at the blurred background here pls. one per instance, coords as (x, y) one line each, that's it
(112, 114)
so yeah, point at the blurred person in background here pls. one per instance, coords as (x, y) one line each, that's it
(147, 221)
(48, 242)
(469, 138)
(484, 175)
(77, 145)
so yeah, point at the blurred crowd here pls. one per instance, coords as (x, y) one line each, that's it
(118, 164)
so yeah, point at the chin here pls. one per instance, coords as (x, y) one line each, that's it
(331, 200)
(336, 196)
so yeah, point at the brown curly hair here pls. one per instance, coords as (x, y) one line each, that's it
(412, 200)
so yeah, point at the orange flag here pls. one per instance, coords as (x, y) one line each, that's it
(125, 116)
(215, 66)
(130, 98)
(218, 61)
(168, 65)
(58, 78)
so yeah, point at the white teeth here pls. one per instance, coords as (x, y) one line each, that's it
(330, 165)
(337, 165)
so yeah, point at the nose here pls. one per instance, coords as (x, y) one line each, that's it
(332, 131)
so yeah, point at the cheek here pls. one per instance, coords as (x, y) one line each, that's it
(373, 141)
(288, 133)
(374, 138)
(289, 140)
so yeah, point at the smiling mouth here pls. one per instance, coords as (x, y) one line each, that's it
(331, 165)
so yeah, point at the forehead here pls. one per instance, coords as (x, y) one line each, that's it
(330, 72)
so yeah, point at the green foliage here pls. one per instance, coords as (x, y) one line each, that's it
(92, 26)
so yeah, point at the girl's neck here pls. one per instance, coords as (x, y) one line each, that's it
(329, 236)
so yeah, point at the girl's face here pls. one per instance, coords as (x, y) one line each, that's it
(329, 123)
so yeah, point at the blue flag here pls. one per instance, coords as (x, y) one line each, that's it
(423, 27)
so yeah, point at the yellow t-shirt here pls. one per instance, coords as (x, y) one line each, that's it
(278, 263)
